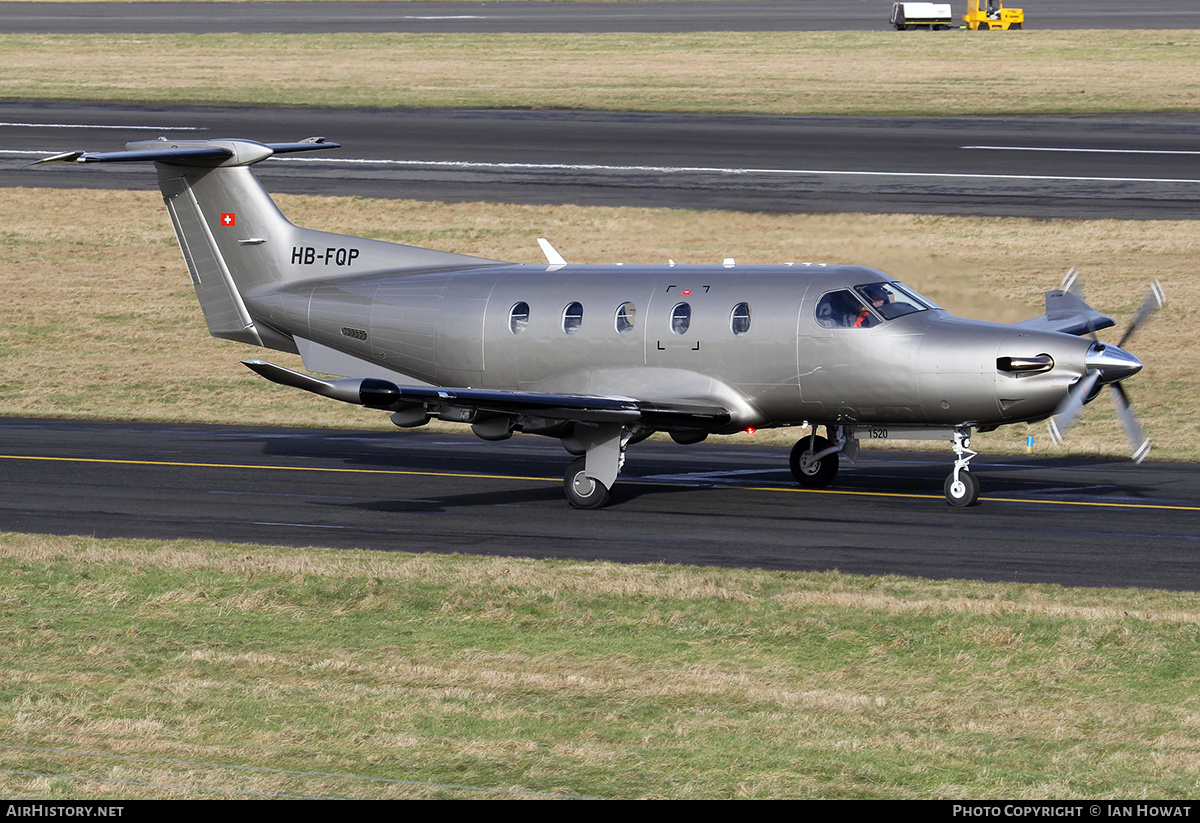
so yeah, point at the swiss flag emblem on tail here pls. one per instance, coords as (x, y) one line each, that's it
(228, 218)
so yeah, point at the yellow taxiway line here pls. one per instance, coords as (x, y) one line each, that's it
(404, 472)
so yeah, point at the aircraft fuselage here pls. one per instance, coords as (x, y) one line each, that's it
(746, 337)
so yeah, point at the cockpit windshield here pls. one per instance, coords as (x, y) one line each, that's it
(862, 307)
(893, 300)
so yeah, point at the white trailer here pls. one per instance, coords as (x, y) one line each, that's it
(935, 16)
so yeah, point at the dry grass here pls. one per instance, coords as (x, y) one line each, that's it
(576, 678)
(101, 320)
(873, 73)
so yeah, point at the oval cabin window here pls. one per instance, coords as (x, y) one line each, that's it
(572, 318)
(739, 318)
(518, 318)
(626, 317)
(681, 318)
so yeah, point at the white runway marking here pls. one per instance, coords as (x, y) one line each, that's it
(1085, 151)
(465, 164)
(93, 126)
(633, 169)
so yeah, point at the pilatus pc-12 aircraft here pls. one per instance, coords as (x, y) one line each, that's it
(602, 356)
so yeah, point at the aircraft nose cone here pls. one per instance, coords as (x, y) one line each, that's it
(1112, 362)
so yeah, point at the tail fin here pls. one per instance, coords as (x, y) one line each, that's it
(235, 240)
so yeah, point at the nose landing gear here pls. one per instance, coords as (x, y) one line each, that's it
(962, 487)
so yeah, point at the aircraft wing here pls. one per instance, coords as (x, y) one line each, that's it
(436, 401)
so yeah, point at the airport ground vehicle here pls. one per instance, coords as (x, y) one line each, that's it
(985, 15)
(934, 16)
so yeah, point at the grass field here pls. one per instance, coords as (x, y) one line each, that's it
(875, 73)
(391, 675)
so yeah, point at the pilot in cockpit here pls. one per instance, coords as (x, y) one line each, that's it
(877, 295)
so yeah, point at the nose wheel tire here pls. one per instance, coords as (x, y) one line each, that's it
(964, 491)
(810, 473)
(583, 492)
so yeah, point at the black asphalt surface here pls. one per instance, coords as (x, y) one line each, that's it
(1075, 522)
(1070, 167)
(573, 17)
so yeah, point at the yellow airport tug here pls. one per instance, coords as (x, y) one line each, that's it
(984, 15)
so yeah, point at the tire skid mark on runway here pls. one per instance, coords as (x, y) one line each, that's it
(324, 496)
(703, 477)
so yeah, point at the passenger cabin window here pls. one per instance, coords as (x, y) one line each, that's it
(572, 318)
(626, 317)
(518, 318)
(681, 318)
(739, 318)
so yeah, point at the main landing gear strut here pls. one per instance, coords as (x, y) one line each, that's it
(814, 459)
(590, 477)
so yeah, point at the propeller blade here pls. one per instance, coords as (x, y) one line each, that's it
(1070, 407)
(1130, 423)
(1155, 299)
(1070, 280)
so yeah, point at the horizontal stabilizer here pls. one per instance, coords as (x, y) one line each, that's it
(1067, 312)
(192, 152)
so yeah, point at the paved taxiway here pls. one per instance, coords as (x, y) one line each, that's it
(1074, 522)
(1071, 167)
(519, 16)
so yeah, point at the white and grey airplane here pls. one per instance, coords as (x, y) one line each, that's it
(603, 356)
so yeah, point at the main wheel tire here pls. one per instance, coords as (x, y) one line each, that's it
(583, 492)
(812, 474)
(963, 493)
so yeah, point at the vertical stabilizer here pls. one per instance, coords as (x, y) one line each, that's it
(237, 243)
(238, 225)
